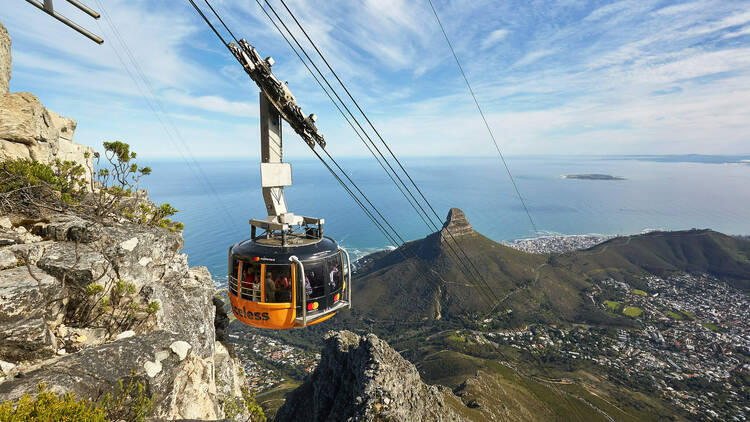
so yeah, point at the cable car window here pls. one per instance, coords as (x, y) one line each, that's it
(250, 281)
(334, 274)
(278, 283)
(232, 279)
(315, 272)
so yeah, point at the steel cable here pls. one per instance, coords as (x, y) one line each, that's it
(484, 281)
(484, 119)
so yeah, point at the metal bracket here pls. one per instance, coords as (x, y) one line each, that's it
(48, 9)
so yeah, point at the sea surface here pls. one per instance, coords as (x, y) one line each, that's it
(217, 198)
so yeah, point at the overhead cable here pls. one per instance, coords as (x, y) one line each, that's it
(388, 148)
(390, 236)
(353, 128)
(160, 112)
(484, 119)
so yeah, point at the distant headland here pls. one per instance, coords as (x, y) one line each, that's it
(593, 177)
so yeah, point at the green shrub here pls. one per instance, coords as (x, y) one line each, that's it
(94, 289)
(153, 307)
(152, 215)
(27, 185)
(28, 180)
(252, 406)
(132, 403)
(48, 406)
(111, 304)
(118, 180)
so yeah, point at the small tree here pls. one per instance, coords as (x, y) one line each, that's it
(119, 180)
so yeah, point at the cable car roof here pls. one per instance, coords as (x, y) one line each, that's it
(268, 252)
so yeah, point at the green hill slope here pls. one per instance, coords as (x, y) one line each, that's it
(661, 253)
(427, 278)
(492, 388)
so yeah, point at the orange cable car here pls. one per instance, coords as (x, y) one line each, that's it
(288, 287)
(289, 275)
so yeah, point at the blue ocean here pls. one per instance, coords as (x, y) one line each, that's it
(217, 198)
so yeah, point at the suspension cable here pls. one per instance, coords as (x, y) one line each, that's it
(336, 105)
(430, 223)
(221, 20)
(452, 251)
(349, 191)
(387, 147)
(353, 128)
(356, 121)
(484, 119)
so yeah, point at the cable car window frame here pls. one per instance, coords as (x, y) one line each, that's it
(232, 282)
(291, 269)
(326, 299)
(255, 292)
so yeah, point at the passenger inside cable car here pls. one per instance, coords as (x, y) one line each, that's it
(270, 288)
(249, 285)
(283, 288)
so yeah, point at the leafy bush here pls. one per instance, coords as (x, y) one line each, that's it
(110, 304)
(25, 182)
(118, 179)
(47, 406)
(252, 406)
(27, 185)
(235, 406)
(63, 176)
(132, 403)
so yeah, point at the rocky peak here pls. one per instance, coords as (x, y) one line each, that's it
(5, 61)
(455, 224)
(361, 378)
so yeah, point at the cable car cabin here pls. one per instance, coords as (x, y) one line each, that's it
(267, 288)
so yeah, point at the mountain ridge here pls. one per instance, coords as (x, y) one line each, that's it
(423, 279)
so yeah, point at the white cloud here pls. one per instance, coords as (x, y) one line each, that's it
(532, 57)
(213, 103)
(494, 37)
(741, 32)
(551, 77)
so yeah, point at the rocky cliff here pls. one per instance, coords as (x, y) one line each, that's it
(91, 304)
(29, 130)
(51, 331)
(360, 378)
(456, 224)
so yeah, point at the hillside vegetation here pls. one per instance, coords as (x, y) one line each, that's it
(424, 281)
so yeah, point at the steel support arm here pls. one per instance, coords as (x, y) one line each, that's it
(47, 8)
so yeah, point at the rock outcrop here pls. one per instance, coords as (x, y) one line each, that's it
(86, 304)
(5, 60)
(455, 225)
(361, 378)
(31, 306)
(27, 129)
(159, 360)
(173, 351)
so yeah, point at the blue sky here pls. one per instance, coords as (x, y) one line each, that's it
(564, 77)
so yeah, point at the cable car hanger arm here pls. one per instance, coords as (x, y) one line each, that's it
(278, 94)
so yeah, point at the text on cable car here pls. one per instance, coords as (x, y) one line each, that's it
(260, 316)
